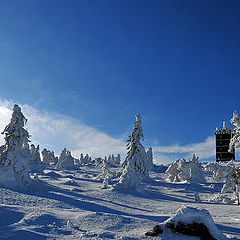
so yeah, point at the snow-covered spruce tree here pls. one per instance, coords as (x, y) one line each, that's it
(15, 154)
(35, 164)
(65, 161)
(233, 183)
(136, 165)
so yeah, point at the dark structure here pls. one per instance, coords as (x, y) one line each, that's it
(223, 136)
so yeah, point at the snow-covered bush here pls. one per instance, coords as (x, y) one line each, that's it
(219, 170)
(65, 161)
(35, 163)
(15, 154)
(183, 170)
(85, 160)
(233, 183)
(221, 198)
(113, 161)
(136, 165)
(49, 157)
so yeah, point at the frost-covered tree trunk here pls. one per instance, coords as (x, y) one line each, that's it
(15, 154)
(136, 164)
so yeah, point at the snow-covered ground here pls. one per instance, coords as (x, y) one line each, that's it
(72, 205)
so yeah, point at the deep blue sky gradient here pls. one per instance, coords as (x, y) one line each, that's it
(174, 62)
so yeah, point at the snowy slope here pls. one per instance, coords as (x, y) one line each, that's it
(71, 205)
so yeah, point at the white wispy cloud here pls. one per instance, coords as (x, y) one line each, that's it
(56, 131)
(204, 150)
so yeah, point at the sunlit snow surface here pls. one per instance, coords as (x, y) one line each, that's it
(72, 205)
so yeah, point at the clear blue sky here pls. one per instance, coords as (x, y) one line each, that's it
(174, 62)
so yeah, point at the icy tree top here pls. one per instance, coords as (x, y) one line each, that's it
(235, 120)
(137, 133)
(15, 134)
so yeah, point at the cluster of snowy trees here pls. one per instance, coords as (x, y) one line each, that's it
(228, 174)
(183, 170)
(18, 159)
(49, 157)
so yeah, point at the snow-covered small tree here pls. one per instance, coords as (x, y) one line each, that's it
(85, 160)
(219, 171)
(106, 173)
(15, 154)
(135, 166)
(35, 164)
(65, 161)
(233, 182)
(49, 157)
(150, 158)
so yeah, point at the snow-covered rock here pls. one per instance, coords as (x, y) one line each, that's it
(190, 221)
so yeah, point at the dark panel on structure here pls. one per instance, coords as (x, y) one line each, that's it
(223, 136)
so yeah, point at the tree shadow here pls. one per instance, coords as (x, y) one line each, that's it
(87, 203)
(229, 230)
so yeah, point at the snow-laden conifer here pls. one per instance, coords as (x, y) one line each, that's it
(65, 161)
(106, 173)
(136, 165)
(15, 154)
(35, 164)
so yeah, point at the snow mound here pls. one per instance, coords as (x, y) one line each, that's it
(53, 174)
(71, 183)
(45, 223)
